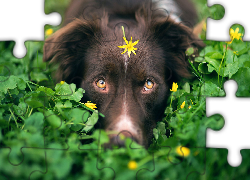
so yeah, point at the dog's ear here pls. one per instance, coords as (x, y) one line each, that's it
(67, 37)
(175, 39)
(68, 46)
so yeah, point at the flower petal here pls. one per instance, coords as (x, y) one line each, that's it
(125, 40)
(135, 43)
(124, 51)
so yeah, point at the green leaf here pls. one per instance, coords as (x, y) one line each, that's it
(186, 87)
(77, 116)
(53, 119)
(38, 76)
(215, 63)
(21, 84)
(155, 132)
(242, 78)
(230, 56)
(168, 110)
(67, 91)
(92, 120)
(20, 109)
(214, 55)
(243, 59)
(211, 89)
(161, 128)
(203, 68)
(190, 51)
(243, 51)
(67, 104)
(8, 83)
(210, 68)
(199, 59)
(206, 50)
(36, 99)
(174, 122)
(48, 91)
(231, 69)
(34, 121)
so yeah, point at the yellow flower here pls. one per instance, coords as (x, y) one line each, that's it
(191, 101)
(129, 46)
(183, 151)
(62, 82)
(182, 105)
(90, 105)
(229, 42)
(132, 165)
(174, 87)
(189, 107)
(235, 52)
(234, 35)
(49, 32)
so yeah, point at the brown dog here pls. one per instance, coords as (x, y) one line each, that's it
(131, 91)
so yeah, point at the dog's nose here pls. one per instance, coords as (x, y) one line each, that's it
(119, 139)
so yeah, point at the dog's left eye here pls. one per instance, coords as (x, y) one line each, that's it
(101, 84)
(148, 85)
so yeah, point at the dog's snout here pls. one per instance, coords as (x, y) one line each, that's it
(119, 139)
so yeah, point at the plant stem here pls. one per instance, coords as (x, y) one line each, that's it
(196, 71)
(123, 32)
(220, 84)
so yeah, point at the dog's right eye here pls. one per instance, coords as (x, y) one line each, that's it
(101, 84)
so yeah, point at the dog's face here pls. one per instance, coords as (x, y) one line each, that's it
(130, 91)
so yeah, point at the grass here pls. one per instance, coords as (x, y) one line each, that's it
(44, 135)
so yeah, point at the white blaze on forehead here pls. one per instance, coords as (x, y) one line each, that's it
(124, 121)
(125, 62)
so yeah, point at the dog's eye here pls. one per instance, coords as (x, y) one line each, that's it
(148, 85)
(101, 84)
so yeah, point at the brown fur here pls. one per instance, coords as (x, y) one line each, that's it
(87, 51)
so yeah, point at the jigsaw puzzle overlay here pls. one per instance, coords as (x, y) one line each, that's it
(47, 132)
(235, 13)
(225, 138)
(20, 22)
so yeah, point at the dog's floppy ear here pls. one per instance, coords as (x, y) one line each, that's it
(66, 37)
(67, 47)
(175, 39)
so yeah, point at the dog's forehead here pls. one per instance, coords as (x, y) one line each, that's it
(142, 52)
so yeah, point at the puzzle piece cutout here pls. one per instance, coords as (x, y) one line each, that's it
(18, 27)
(226, 138)
(235, 13)
(152, 168)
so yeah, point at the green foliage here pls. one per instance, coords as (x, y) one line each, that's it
(49, 130)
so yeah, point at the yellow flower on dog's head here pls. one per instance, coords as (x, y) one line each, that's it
(129, 46)
(90, 105)
(174, 87)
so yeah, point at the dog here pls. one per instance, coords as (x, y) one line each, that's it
(131, 90)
